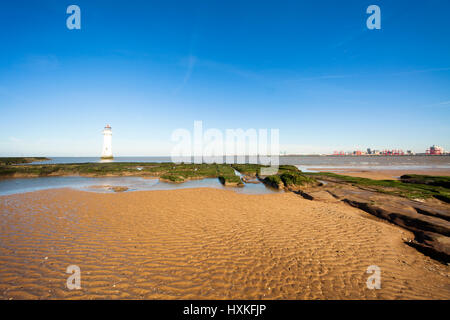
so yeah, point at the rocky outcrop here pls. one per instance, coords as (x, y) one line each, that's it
(119, 189)
(272, 181)
(233, 181)
(432, 244)
(319, 195)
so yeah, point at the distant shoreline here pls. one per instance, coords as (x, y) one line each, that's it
(366, 155)
(21, 160)
(35, 159)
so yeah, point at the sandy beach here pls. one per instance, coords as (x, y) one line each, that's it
(204, 244)
(383, 174)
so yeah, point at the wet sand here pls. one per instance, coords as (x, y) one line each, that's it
(382, 174)
(204, 244)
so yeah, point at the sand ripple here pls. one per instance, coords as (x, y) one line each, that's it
(204, 244)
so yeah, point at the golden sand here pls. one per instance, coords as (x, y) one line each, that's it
(204, 244)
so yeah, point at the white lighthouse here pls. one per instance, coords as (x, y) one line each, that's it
(107, 143)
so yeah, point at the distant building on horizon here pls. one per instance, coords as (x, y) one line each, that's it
(369, 151)
(435, 150)
(107, 143)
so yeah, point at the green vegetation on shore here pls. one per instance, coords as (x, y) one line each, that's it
(428, 180)
(182, 172)
(415, 187)
(20, 160)
(166, 171)
(251, 170)
(288, 176)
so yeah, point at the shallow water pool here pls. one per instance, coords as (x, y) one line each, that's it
(21, 185)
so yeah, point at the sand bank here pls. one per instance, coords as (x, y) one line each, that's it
(382, 174)
(204, 244)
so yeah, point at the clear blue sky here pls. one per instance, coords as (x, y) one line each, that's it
(310, 68)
